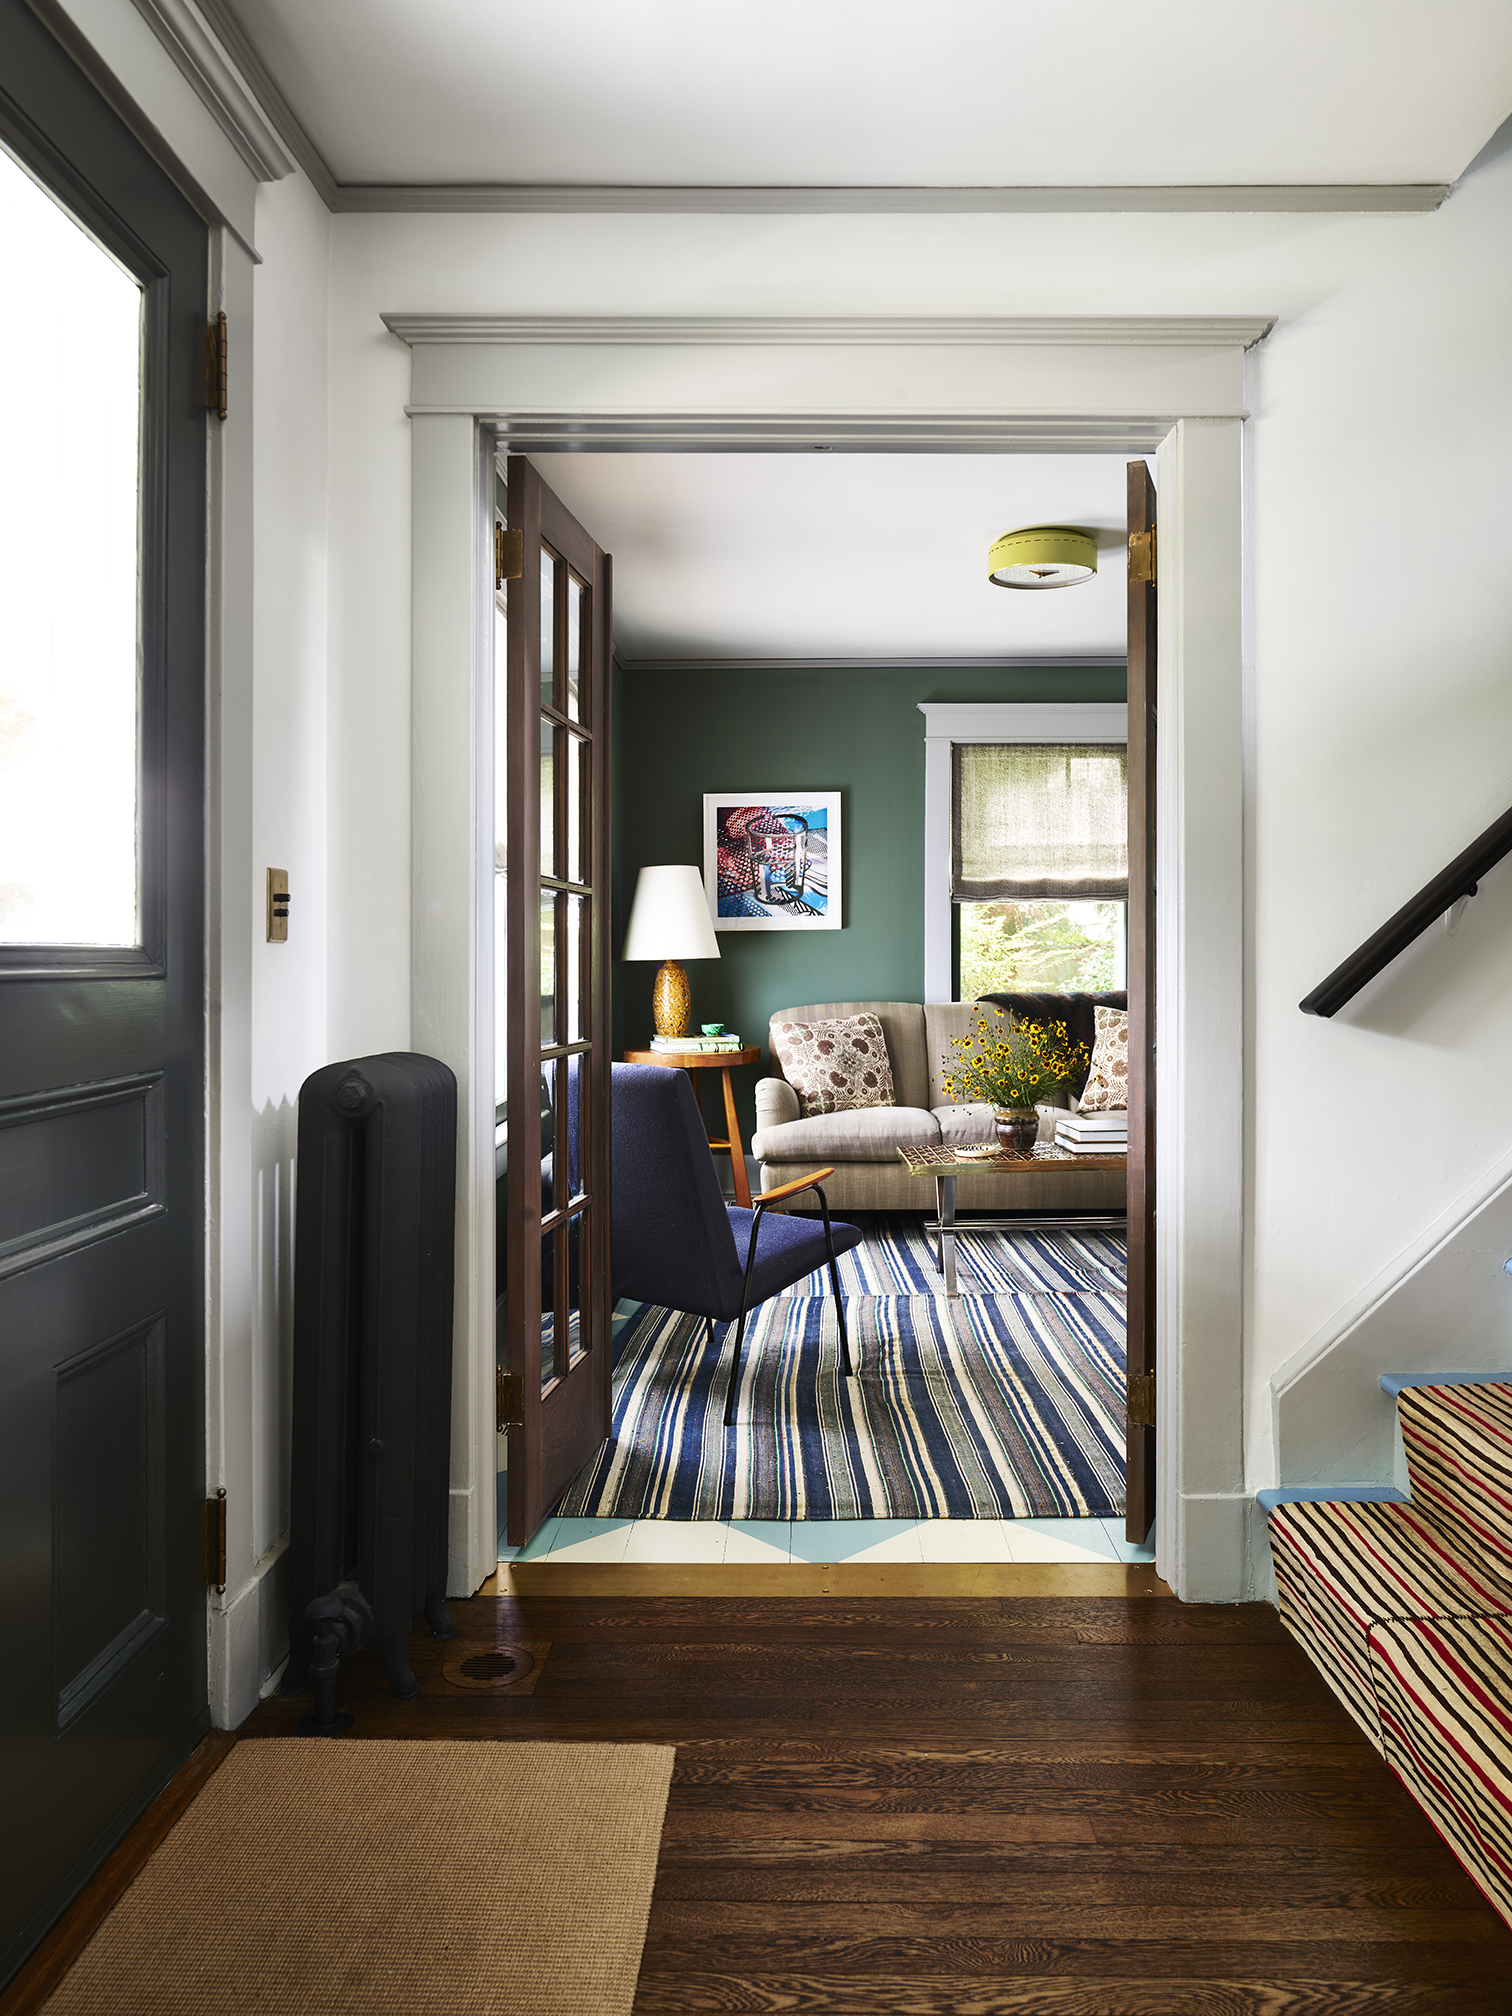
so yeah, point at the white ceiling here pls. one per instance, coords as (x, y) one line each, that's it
(849, 92)
(837, 556)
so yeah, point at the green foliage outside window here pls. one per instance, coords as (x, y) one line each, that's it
(1038, 947)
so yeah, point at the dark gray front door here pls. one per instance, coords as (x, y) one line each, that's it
(102, 1138)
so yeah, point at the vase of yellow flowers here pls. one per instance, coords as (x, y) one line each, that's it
(1012, 1065)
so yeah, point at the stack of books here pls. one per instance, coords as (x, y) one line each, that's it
(1093, 1133)
(699, 1045)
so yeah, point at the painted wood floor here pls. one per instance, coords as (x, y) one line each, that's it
(1110, 1805)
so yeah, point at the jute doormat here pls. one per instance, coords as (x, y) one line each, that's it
(366, 1877)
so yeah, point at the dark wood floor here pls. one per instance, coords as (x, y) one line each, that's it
(1103, 1807)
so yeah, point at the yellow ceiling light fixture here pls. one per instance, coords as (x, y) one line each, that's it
(1042, 556)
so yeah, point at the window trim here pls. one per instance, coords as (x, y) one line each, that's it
(995, 721)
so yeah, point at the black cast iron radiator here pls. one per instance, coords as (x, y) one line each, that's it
(375, 1212)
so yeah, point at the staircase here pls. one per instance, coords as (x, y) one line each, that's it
(1404, 1604)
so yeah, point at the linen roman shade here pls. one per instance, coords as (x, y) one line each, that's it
(1039, 819)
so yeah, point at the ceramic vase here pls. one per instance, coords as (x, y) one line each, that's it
(1017, 1128)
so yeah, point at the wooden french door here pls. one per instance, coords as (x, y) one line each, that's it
(1140, 1452)
(102, 1004)
(556, 1020)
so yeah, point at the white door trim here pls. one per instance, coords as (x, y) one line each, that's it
(1108, 388)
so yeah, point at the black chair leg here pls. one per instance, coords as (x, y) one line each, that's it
(834, 1274)
(745, 1300)
(729, 1412)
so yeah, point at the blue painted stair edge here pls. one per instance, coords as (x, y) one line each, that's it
(1398, 1382)
(1391, 1383)
(1330, 1494)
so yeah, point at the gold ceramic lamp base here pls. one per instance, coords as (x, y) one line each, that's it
(671, 1000)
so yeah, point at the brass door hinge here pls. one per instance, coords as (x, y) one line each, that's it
(1141, 1399)
(511, 1400)
(215, 1540)
(509, 555)
(215, 365)
(1142, 555)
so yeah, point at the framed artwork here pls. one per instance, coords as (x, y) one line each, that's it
(772, 860)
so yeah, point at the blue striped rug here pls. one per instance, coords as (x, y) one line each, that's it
(895, 1258)
(992, 1406)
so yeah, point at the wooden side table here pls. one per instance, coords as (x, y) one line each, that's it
(722, 1061)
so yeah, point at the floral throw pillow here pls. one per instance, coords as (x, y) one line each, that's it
(835, 1067)
(1107, 1086)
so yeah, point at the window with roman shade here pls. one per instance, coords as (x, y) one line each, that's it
(1039, 820)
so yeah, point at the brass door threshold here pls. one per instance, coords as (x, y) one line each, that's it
(848, 1579)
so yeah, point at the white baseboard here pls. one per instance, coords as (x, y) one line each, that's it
(1212, 1548)
(470, 1560)
(249, 1637)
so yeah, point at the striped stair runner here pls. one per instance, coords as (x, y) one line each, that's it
(1405, 1607)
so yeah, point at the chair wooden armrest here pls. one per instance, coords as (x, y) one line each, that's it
(791, 1189)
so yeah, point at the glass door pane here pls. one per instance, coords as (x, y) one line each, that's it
(70, 545)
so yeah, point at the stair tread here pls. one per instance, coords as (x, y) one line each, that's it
(1405, 1607)
(1331, 1494)
(1401, 1382)
(1344, 1566)
(1443, 1688)
(1458, 1440)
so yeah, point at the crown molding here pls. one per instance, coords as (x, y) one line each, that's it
(848, 331)
(238, 45)
(625, 199)
(268, 126)
(976, 433)
(960, 663)
(187, 40)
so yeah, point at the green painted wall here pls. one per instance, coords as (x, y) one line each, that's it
(680, 734)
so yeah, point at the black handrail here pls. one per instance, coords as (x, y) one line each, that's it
(1460, 878)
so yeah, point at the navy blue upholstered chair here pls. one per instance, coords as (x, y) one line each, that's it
(675, 1240)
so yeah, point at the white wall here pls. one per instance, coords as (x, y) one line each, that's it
(1382, 709)
(290, 823)
(1378, 708)
(266, 790)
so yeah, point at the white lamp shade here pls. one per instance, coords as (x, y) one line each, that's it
(669, 918)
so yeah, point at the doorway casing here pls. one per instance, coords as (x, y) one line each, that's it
(1172, 385)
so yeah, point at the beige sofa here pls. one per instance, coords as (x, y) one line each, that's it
(863, 1145)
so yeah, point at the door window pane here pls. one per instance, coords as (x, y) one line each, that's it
(578, 753)
(579, 1080)
(579, 1307)
(575, 693)
(548, 629)
(549, 864)
(576, 967)
(548, 969)
(550, 1201)
(70, 355)
(552, 1246)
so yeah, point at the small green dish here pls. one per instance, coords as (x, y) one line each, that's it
(712, 1028)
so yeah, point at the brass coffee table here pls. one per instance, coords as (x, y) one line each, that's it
(945, 1164)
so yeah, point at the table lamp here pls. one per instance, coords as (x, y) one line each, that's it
(669, 920)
